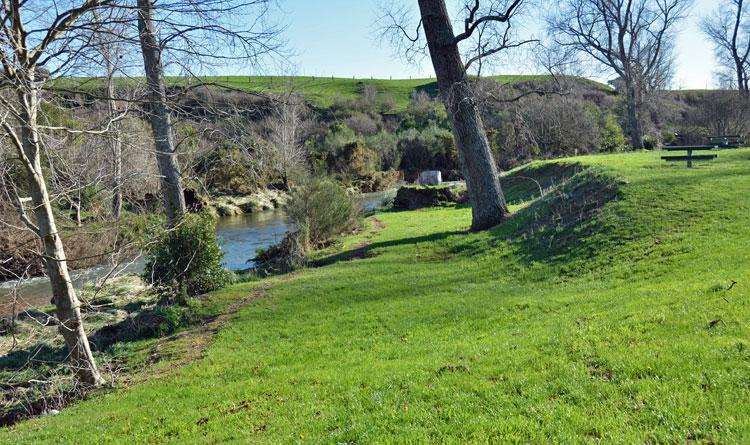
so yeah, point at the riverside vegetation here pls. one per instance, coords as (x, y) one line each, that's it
(365, 133)
(612, 308)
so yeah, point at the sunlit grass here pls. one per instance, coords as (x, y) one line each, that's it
(619, 329)
(321, 92)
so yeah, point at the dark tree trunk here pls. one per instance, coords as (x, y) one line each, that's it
(482, 179)
(166, 157)
(739, 62)
(635, 131)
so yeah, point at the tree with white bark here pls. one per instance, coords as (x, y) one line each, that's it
(285, 129)
(37, 42)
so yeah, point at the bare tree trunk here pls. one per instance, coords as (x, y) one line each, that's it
(482, 179)
(64, 296)
(166, 157)
(635, 131)
(116, 141)
(739, 62)
(117, 174)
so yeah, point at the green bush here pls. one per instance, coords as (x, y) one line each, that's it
(431, 149)
(613, 138)
(321, 209)
(424, 112)
(227, 170)
(185, 261)
(356, 161)
(650, 142)
(385, 145)
(668, 137)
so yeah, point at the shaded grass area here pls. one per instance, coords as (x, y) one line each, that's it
(620, 326)
(129, 335)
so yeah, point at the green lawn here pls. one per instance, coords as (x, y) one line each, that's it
(618, 329)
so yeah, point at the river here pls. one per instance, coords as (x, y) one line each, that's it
(239, 236)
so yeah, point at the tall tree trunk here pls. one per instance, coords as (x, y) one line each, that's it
(64, 296)
(482, 179)
(635, 131)
(166, 157)
(116, 141)
(740, 76)
(117, 174)
(739, 63)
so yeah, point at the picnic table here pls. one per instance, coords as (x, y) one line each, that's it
(690, 157)
(726, 141)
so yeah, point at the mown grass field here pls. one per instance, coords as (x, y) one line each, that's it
(320, 92)
(614, 320)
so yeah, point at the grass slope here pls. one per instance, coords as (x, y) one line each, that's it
(612, 325)
(321, 92)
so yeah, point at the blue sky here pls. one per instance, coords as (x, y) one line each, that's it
(337, 37)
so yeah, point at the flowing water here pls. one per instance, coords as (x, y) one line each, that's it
(240, 238)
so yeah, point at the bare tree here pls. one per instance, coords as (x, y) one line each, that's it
(35, 38)
(112, 50)
(161, 126)
(486, 32)
(191, 34)
(729, 31)
(285, 127)
(630, 38)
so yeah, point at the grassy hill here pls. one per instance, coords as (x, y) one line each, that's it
(323, 91)
(603, 311)
(319, 91)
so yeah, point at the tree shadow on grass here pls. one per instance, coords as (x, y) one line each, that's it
(367, 251)
(548, 230)
(41, 353)
(26, 375)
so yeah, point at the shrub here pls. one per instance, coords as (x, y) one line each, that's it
(288, 255)
(357, 160)
(385, 145)
(326, 147)
(613, 138)
(650, 142)
(363, 123)
(424, 112)
(185, 261)
(561, 125)
(321, 209)
(431, 149)
(668, 137)
(227, 170)
(378, 181)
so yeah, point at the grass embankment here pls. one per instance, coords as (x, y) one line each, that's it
(604, 311)
(321, 92)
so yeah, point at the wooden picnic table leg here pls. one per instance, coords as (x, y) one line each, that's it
(690, 159)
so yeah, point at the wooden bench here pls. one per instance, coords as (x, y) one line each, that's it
(730, 141)
(690, 157)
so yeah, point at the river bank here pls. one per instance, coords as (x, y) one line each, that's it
(588, 314)
(123, 310)
(240, 236)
